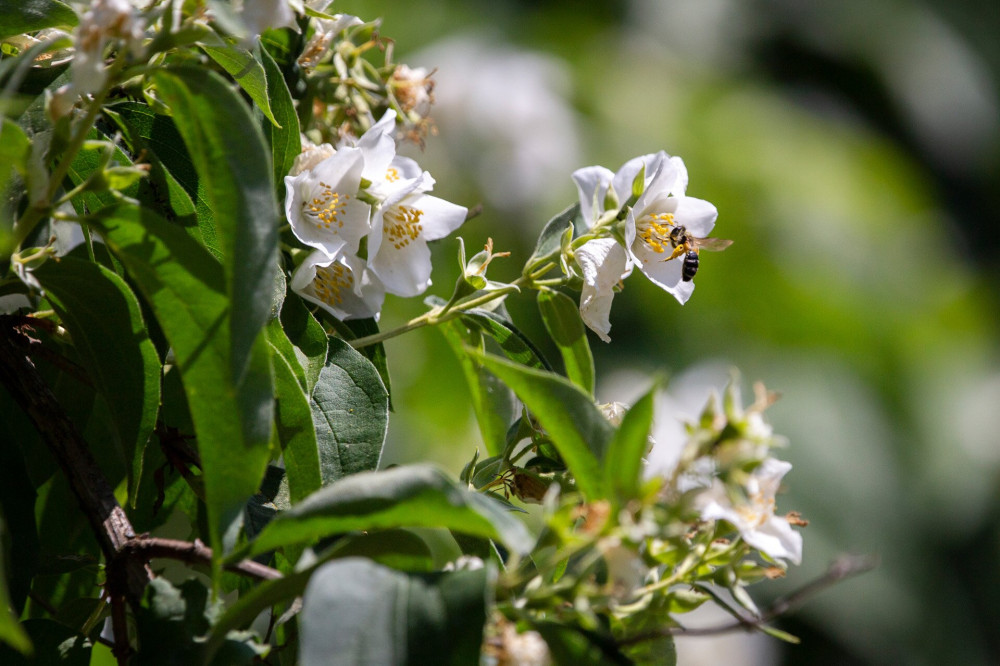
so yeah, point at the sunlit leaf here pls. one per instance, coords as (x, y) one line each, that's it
(562, 320)
(412, 496)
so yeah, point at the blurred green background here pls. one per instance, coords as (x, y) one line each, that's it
(853, 151)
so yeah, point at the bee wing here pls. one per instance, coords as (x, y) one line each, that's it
(711, 244)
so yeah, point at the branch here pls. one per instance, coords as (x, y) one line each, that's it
(93, 492)
(844, 567)
(195, 552)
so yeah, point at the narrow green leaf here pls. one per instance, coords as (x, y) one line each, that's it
(369, 614)
(562, 320)
(350, 409)
(246, 71)
(283, 135)
(21, 16)
(307, 337)
(231, 158)
(294, 422)
(630, 443)
(514, 344)
(492, 401)
(186, 288)
(548, 240)
(15, 147)
(411, 496)
(579, 430)
(103, 316)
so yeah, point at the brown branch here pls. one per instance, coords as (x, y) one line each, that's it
(195, 552)
(844, 567)
(93, 492)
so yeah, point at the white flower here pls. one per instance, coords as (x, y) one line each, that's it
(600, 190)
(402, 225)
(660, 210)
(754, 517)
(259, 15)
(604, 264)
(524, 649)
(103, 21)
(326, 31)
(406, 217)
(322, 205)
(341, 285)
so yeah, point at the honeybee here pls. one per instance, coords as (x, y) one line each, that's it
(689, 246)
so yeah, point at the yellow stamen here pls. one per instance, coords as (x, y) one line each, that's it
(327, 208)
(402, 225)
(654, 230)
(330, 282)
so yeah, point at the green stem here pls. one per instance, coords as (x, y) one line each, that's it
(38, 210)
(439, 315)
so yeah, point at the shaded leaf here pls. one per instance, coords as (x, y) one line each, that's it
(103, 316)
(548, 240)
(283, 132)
(368, 614)
(294, 423)
(307, 337)
(514, 344)
(21, 16)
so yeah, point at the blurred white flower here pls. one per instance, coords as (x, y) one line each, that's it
(260, 15)
(523, 649)
(341, 285)
(754, 515)
(504, 119)
(413, 89)
(322, 204)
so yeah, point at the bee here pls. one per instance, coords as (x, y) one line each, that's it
(689, 246)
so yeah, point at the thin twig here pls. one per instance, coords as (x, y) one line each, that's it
(844, 567)
(192, 552)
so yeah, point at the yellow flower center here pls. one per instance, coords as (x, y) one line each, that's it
(392, 174)
(402, 225)
(330, 282)
(326, 209)
(654, 230)
(757, 511)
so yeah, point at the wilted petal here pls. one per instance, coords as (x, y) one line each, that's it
(604, 264)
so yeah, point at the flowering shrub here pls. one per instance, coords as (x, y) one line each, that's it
(207, 363)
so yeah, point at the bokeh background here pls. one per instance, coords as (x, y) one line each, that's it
(853, 151)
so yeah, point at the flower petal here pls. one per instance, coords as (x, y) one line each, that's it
(403, 266)
(777, 539)
(624, 177)
(592, 184)
(322, 207)
(697, 215)
(604, 264)
(340, 285)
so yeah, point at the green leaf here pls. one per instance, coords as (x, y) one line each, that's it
(375, 353)
(627, 449)
(492, 401)
(103, 316)
(350, 409)
(578, 429)
(294, 423)
(185, 286)
(11, 631)
(514, 344)
(172, 621)
(246, 71)
(231, 158)
(368, 614)
(562, 320)
(548, 240)
(307, 337)
(411, 496)
(572, 645)
(21, 16)
(283, 135)
(15, 147)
